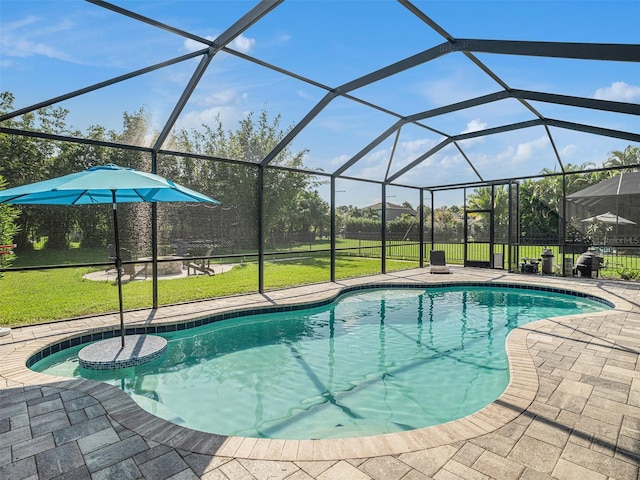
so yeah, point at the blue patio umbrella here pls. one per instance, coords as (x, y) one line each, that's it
(104, 184)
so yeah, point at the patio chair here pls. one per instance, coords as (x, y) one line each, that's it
(202, 265)
(129, 268)
(112, 252)
(437, 262)
(182, 251)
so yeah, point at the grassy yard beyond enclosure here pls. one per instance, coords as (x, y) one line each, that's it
(37, 296)
(30, 297)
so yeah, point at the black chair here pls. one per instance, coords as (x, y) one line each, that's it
(438, 262)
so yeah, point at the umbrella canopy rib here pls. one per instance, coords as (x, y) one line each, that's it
(73, 202)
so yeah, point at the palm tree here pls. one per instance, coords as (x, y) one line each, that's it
(629, 156)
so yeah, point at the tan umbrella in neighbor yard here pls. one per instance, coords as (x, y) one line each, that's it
(610, 218)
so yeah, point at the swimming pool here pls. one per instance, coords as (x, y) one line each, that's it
(374, 361)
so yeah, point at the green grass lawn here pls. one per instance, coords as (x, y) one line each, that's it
(38, 296)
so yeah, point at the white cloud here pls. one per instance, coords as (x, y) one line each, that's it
(620, 92)
(224, 97)
(377, 161)
(27, 48)
(568, 151)
(229, 117)
(525, 151)
(190, 45)
(449, 162)
(504, 156)
(376, 157)
(339, 160)
(375, 172)
(227, 105)
(522, 152)
(447, 169)
(241, 43)
(475, 126)
(21, 38)
(415, 148)
(25, 22)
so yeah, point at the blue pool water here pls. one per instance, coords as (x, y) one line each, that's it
(375, 361)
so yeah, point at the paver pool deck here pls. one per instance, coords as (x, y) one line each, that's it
(571, 410)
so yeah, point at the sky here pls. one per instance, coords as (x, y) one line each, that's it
(52, 47)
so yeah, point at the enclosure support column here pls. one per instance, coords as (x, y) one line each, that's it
(518, 225)
(154, 253)
(421, 231)
(383, 215)
(433, 222)
(384, 228)
(492, 229)
(260, 229)
(510, 226)
(563, 224)
(465, 228)
(333, 229)
(118, 266)
(518, 233)
(154, 237)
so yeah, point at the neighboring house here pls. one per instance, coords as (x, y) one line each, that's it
(393, 211)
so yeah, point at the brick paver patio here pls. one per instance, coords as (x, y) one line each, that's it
(571, 411)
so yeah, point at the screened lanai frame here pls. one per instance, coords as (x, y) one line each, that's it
(346, 91)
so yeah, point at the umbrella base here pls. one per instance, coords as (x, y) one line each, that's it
(110, 355)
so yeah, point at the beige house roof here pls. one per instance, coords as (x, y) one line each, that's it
(393, 211)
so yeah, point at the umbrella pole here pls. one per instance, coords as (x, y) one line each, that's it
(118, 265)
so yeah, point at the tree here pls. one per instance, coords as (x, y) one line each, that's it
(448, 226)
(481, 199)
(540, 200)
(93, 221)
(627, 157)
(309, 217)
(25, 160)
(404, 227)
(8, 227)
(235, 185)
(133, 218)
